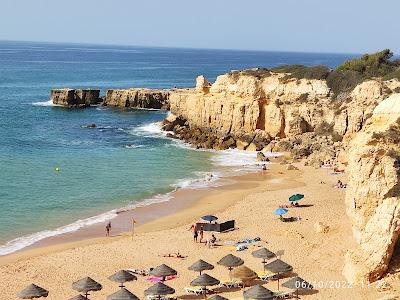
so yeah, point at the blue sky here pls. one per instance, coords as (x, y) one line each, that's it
(351, 26)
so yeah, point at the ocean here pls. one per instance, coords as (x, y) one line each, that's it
(125, 161)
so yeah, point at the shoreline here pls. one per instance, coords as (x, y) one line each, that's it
(150, 216)
(250, 202)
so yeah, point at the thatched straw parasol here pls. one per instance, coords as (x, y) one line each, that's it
(163, 271)
(159, 289)
(33, 291)
(122, 294)
(86, 285)
(200, 266)
(297, 283)
(121, 277)
(278, 266)
(244, 274)
(263, 253)
(217, 297)
(230, 261)
(204, 281)
(78, 297)
(258, 292)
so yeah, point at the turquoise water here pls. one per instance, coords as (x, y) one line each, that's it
(125, 160)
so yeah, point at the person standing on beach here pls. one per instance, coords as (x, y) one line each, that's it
(201, 234)
(195, 233)
(133, 226)
(108, 228)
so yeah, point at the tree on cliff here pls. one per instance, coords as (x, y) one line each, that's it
(378, 64)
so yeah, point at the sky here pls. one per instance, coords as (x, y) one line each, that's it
(342, 26)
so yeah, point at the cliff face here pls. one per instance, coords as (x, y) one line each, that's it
(75, 98)
(137, 98)
(239, 103)
(373, 196)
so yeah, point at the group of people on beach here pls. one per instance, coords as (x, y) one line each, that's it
(200, 233)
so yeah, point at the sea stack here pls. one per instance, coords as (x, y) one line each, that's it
(75, 97)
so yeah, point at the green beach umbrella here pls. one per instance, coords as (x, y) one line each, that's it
(296, 197)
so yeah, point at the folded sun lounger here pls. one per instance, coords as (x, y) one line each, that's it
(283, 295)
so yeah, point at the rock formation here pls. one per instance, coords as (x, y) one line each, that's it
(373, 195)
(255, 106)
(75, 97)
(137, 98)
(130, 98)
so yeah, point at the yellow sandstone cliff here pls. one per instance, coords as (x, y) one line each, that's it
(373, 195)
(242, 102)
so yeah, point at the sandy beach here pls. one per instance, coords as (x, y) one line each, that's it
(315, 256)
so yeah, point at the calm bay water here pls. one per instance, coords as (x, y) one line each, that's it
(126, 159)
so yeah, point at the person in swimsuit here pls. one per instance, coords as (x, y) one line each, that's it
(201, 234)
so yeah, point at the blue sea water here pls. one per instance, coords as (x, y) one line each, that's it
(122, 162)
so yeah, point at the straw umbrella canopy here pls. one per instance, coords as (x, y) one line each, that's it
(78, 297)
(258, 292)
(200, 266)
(122, 294)
(205, 280)
(33, 291)
(159, 289)
(230, 261)
(278, 266)
(263, 253)
(244, 273)
(297, 283)
(86, 285)
(163, 271)
(217, 297)
(121, 277)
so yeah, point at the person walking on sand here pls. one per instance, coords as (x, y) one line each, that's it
(133, 226)
(201, 234)
(108, 229)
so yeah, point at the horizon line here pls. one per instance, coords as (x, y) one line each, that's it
(177, 47)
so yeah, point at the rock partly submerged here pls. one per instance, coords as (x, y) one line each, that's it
(123, 98)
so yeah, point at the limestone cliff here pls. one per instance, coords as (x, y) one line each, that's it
(242, 103)
(75, 97)
(373, 195)
(137, 98)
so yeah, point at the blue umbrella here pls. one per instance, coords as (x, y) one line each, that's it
(209, 218)
(280, 211)
(296, 197)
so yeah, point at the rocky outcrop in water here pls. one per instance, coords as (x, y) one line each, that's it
(75, 97)
(123, 98)
(373, 195)
(137, 98)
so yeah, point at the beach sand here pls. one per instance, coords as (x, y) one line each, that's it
(316, 257)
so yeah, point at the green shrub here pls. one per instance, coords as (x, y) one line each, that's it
(300, 72)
